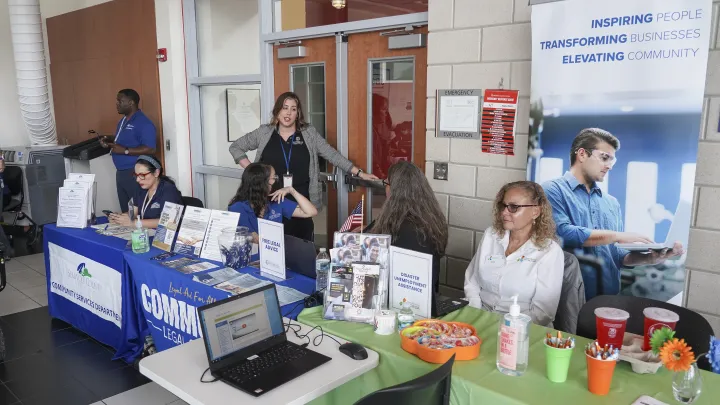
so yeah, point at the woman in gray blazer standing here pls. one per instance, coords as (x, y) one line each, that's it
(291, 146)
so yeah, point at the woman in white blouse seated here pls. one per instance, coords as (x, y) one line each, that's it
(518, 255)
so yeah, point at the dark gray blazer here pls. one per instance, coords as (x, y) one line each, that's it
(317, 145)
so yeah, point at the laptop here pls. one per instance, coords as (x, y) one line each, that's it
(246, 343)
(300, 255)
(678, 231)
(442, 305)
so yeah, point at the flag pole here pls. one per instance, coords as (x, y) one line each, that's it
(362, 214)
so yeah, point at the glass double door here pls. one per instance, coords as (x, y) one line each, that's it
(375, 112)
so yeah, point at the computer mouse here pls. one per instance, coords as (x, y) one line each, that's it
(354, 351)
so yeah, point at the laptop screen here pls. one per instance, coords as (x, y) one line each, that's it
(241, 322)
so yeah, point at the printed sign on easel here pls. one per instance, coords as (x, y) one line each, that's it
(411, 281)
(272, 249)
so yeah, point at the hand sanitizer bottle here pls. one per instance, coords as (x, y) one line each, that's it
(513, 341)
(139, 238)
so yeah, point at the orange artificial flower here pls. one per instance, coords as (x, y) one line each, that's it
(676, 355)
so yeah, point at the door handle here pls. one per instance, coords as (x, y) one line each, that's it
(326, 177)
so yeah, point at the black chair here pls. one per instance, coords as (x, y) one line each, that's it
(13, 177)
(192, 202)
(591, 268)
(692, 327)
(572, 296)
(431, 389)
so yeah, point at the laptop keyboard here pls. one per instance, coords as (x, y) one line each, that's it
(268, 360)
(445, 306)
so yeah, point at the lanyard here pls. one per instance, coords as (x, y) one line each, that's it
(146, 202)
(120, 129)
(289, 155)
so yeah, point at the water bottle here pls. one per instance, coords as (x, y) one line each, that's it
(405, 316)
(322, 266)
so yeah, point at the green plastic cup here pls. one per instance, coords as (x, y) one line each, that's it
(558, 363)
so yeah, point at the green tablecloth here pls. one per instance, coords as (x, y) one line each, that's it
(478, 381)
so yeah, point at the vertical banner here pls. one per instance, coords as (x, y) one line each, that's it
(636, 69)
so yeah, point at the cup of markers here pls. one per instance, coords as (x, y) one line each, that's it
(601, 361)
(558, 352)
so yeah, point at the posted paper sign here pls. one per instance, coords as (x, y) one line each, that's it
(498, 121)
(411, 281)
(272, 248)
(168, 225)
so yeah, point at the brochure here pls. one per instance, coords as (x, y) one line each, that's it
(241, 283)
(216, 277)
(287, 295)
(187, 265)
(374, 248)
(168, 225)
(219, 220)
(192, 231)
(339, 290)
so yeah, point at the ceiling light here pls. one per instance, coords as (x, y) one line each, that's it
(339, 4)
(627, 108)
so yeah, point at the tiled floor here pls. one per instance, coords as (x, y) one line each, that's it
(48, 361)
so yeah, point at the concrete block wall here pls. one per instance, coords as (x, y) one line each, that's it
(702, 263)
(478, 43)
(475, 44)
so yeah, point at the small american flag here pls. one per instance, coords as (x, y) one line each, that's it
(355, 218)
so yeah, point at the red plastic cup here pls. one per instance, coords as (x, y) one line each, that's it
(610, 324)
(657, 318)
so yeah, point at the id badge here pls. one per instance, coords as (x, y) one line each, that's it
(287, 180)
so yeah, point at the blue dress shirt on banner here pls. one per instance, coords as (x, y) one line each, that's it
(577, 213)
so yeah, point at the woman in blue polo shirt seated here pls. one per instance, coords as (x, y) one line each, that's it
(253, 199)
(155, 190)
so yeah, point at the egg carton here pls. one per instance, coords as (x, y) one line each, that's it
(642, 362)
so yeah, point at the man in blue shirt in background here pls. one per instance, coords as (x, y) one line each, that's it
(589, 219)
(134, 136)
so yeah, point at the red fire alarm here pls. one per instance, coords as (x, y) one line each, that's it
(162, 55)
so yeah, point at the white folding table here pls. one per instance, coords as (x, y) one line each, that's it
(178, 370)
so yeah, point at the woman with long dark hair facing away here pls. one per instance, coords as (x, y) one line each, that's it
(155, 190)
(412, 215)
(255, 199)
(292, 146)
(519, 256)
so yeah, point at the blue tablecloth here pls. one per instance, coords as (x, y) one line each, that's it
(88, 287)
(165, 299)
(96, 284)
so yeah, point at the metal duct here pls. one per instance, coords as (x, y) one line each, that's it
(28, 49)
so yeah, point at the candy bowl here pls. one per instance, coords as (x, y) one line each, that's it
(436, 341)
(642, 362)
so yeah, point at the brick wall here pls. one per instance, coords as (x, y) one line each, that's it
(477, 43)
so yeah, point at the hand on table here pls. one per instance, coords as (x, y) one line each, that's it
(120, 219)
